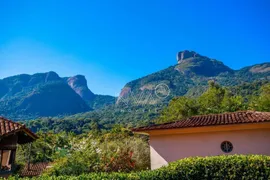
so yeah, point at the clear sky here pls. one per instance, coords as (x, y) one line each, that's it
(112, 42)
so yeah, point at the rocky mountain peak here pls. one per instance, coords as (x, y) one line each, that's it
(52, 76)
(79, 84)
(186, 54)
(78, 80)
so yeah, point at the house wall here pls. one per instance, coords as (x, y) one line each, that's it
(168, 148)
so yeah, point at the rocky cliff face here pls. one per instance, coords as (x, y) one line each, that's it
(123, 94)
(183, 55)
(191, 63)
(260, 68)
(79, 85)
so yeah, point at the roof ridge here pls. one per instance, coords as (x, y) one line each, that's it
(5, 119)
(211, 114)
(20, 127)
(246, 116)
(188, 118)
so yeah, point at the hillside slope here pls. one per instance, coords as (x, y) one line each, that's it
(42, 94)
(47, 94)
(189, 77)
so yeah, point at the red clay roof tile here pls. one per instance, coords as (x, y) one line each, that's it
(8, 127)
(34, 169)
(230, 118)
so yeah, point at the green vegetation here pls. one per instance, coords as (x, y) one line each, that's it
(96, 148)
(25, 97)
(46, 94)
(117, 150)
(215, 100)
(262, 103)
(108, 148)
(250, 167)
(42, 94)
(100, 101)
(107, 117)
(191, 76)
(101, 147)
(203, 66)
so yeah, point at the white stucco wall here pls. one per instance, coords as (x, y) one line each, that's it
(168, 148)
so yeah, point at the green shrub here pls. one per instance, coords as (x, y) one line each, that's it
(235, 167)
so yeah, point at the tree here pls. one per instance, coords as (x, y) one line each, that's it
(262, 102)
(215, 100)
(210, 101)
(231, 103)
(179, 108)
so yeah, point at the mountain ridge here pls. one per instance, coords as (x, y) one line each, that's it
(192, 71)
(48, 94)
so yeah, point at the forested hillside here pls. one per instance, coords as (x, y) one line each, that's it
(46, 94)
(216, 99)
(190, 77)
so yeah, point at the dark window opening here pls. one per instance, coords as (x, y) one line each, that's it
(226, 147)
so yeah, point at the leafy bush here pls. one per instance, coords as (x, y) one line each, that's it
(116, 151)
(236, 167)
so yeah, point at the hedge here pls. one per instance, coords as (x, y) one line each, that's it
(235, 167)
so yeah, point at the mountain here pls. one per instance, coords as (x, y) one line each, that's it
(129, 116)
(79, 85)
(188, 77)
(141, 101)
(47, 94)
(190, 62)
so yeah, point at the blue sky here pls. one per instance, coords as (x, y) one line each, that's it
(112, 42)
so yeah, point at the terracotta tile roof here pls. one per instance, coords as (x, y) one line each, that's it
(34, 169)
(238, 117)
(8, 127)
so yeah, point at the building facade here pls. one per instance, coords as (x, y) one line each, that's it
(245, 132)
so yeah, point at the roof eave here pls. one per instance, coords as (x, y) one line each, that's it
(201, 129)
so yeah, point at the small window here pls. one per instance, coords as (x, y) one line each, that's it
(226, 147)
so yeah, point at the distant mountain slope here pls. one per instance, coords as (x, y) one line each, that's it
(42, 94)
(47, 94)
(79, 85)
(53, 99)
(190, 77)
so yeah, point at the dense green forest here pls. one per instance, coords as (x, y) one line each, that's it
(231, 98)
(46, 94)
